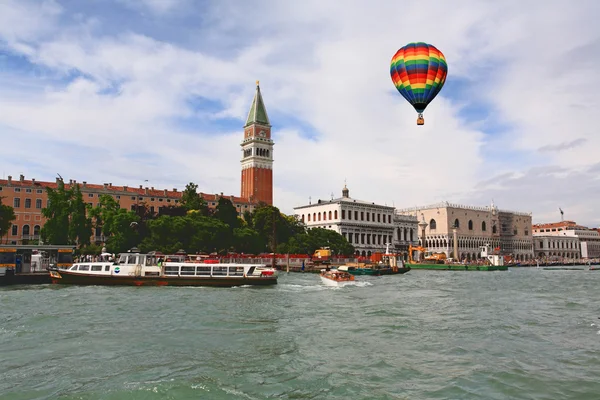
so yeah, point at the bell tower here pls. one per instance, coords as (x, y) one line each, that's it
(257, 154)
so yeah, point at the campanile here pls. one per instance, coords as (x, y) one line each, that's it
(257, 154)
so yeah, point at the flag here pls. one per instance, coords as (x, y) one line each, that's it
(561, 211)
(497, 248)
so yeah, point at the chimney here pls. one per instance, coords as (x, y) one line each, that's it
(165, 192)
(109, 184)
(70, 181)
(125, 188)
(146, 190)
(57, 179)
(141, 187)
(152, 188)
(84, 182)
(105, 186)
(22, 177)
(10, 179)
(175, 190)
(33, 181)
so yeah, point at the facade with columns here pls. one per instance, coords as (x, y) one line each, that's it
(476, 226)
(257, 154)
(565, 239)
(367, 226)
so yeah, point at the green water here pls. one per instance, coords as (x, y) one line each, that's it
(521, 334)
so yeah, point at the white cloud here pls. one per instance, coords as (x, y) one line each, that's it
(322, 68)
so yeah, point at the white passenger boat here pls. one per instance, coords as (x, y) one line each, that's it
(136, 269)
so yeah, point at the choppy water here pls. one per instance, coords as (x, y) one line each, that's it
(522, 334)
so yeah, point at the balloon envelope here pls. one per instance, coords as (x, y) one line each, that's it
(419, 71)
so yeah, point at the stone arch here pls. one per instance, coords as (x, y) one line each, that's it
(25, 230)
(335, 214)
(483, 226)
(432, 224)
(457, 223)
(470, 224)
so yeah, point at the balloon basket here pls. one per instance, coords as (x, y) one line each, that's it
(420, 120)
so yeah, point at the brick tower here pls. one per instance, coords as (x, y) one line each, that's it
(257, 154)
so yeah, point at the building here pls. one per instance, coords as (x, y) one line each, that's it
(28, 197)
(475, 226)
(565, 239)
(257, 154)
(366, 225)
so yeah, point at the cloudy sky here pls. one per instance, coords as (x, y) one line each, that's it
(122, 91)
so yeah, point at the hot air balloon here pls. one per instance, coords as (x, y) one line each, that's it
(419, 71)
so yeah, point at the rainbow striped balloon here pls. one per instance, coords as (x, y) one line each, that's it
(419, 71)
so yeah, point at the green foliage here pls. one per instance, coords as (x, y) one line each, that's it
(307, 243)
(120, 226)
(194, 233)
(247, 240)
(66, 217)
(227, 213)
(191, 200)
(80, 226)
(7, 216)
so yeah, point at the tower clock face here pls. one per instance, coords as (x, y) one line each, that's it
(262, 134)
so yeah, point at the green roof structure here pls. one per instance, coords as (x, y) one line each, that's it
(258, 112)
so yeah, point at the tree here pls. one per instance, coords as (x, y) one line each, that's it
(118, 224)
(7, 216)
(315, 238)
(80, 225)
(192, 201)
(227, 213)
(56, 228)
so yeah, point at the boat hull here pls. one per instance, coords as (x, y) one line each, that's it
(332, 283)
(459, 267)
(64, 277)
(378, 271)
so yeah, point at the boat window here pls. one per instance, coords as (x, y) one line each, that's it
(74, 268)
(188, 270)
(172, 270)
(107, 268)
(123, 259)
(131, 260)
(96, 267)
(236, 271)
(219, 270)
(202, 270)
(84, 267)
(251, 270)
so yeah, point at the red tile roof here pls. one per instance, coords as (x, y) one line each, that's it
(92, 187)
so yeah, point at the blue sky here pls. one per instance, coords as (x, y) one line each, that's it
(122, 91)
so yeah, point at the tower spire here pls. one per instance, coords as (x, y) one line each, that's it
(258, 112)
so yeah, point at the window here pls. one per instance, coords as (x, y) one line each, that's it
(329, 216)
(15, 230)
(39, 191)
(356, 215)
(432, 224)
(152, 199)
(515, 231)
(27, 203)
(483, 227)
(36, 230)
(25, 230)
(470, 225)
(378, 217)
(368, 215)
(526, 232)
(335, 214)
(456, 223)
(96, 267)
(343, 214)
(27, 190)
(160, 199)
(16, 202)
(38, 203)
(494, 230)
(132, 197)
(90, 194)
(389, 219)
(362, 215)
(118, 197)
(18, 190)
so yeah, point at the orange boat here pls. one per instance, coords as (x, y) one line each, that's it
(333, 277)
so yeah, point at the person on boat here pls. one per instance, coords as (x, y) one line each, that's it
(159, 262)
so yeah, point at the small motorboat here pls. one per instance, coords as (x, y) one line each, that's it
(336, 278)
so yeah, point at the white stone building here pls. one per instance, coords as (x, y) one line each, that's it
(565, 239)
(367, 226)
(476, 226)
